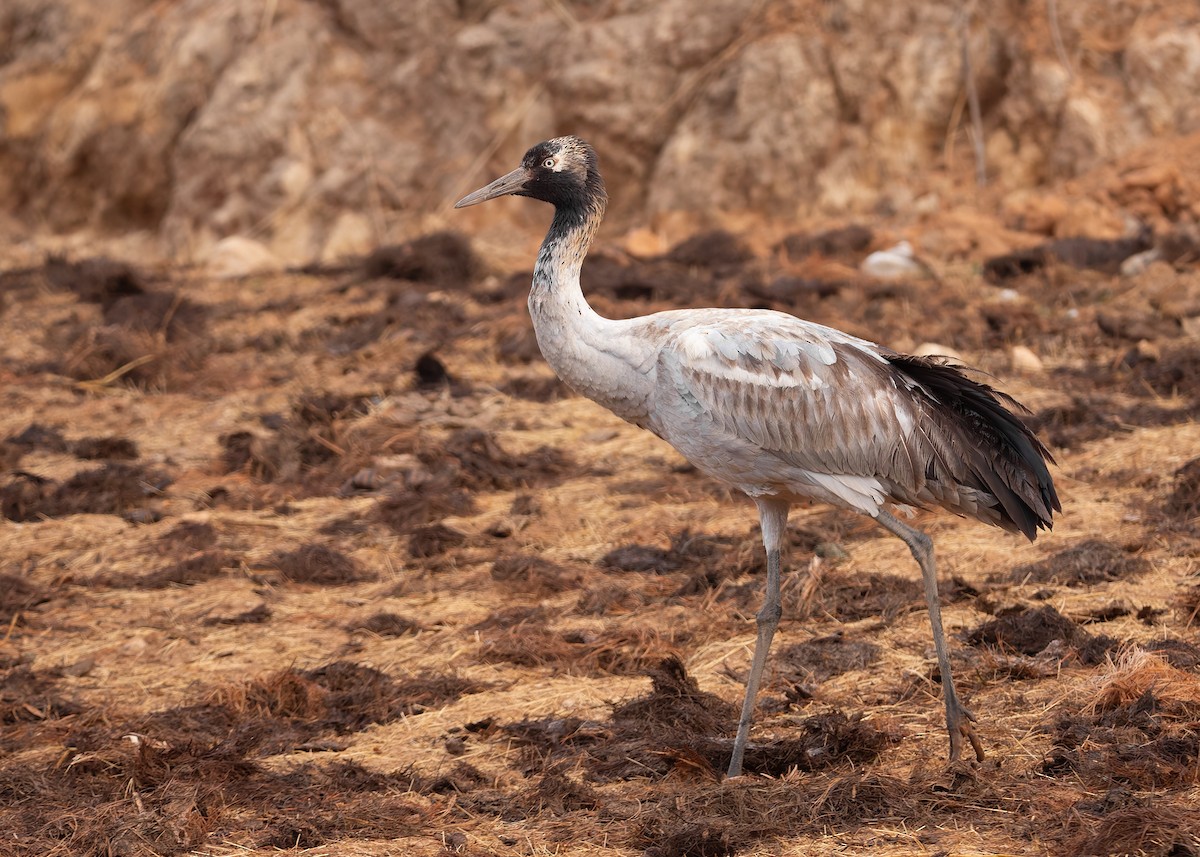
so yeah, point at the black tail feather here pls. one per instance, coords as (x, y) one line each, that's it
(1005, 456)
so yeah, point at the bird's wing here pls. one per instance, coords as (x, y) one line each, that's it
(818, 398)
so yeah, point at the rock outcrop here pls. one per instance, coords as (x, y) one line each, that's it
(321, 127)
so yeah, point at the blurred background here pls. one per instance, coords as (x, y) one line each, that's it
(310, 131)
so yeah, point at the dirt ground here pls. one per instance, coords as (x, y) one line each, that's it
(328, 562)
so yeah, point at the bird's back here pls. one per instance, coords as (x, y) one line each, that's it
(779, 406)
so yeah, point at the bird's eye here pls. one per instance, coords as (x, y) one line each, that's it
(548, 163)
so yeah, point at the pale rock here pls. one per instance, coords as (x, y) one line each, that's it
(895, 263)
(1147, 351)
(238, 256)
(1139, 262)
(1162, 69)
(1051, 84)
(1023, 360)
(195, 120)
(351, 235)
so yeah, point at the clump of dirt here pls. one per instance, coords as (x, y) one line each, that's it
(517, 344)
(555, 793)
(314, 449)
(317, 564)
(860, 595)
(431, 372)
(148, 338)
(320, 805)
(116, 488)
(816, 660)
(1175, 373)
(167, 314)
(387, 625)
(134, 357)
(709, 561)
(1184, 500)
(10, 456)
(1095, 253)
(105, 448)
(484, 464)
(692, 840)
(608, 599)
(825, 741)
(1085, 564)
(678, 727)
(185, 780)
(96, 280)
(468, 461)
(1187, 605)
(543, 390)
(727, 818)
(197, 568)
(38, 436)
(418, 504)
(339, 697)
(528, 643)
(1087, 418)
(433, 540)
(512, 617)
(187, 537)
(534, 575)
(1107, 613)
(710, 250)
(443, 259)
(1124, 823)
(675, 699)
(19, 594)
(1137, 731)
(254, 616)
(1178, 653)
(243, 450)
(643, 558)
(848, 242)
(791, 291)
(461, 779)
(23, 496)
(28, 696)
(1028, 632)
(624, 279)
(1031, 631)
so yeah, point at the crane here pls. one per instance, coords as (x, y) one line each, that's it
(783, 409)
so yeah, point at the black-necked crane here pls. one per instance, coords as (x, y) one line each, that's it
(783, 409)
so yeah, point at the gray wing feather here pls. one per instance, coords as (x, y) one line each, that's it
(817, 398)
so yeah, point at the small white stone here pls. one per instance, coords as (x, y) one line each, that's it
(1024, 360)
(894, 263)
(237, 256)
(1139, 262)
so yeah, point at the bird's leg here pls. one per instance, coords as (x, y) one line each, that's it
(772, 515)
(958, 719)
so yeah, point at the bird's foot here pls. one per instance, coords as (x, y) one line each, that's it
(961, 724)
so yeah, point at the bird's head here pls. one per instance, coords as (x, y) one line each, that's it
(563, 172)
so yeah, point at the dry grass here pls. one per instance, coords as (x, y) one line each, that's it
(1137, 672)
(348, 603)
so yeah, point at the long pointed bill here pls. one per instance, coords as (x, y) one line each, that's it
(502, 186)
